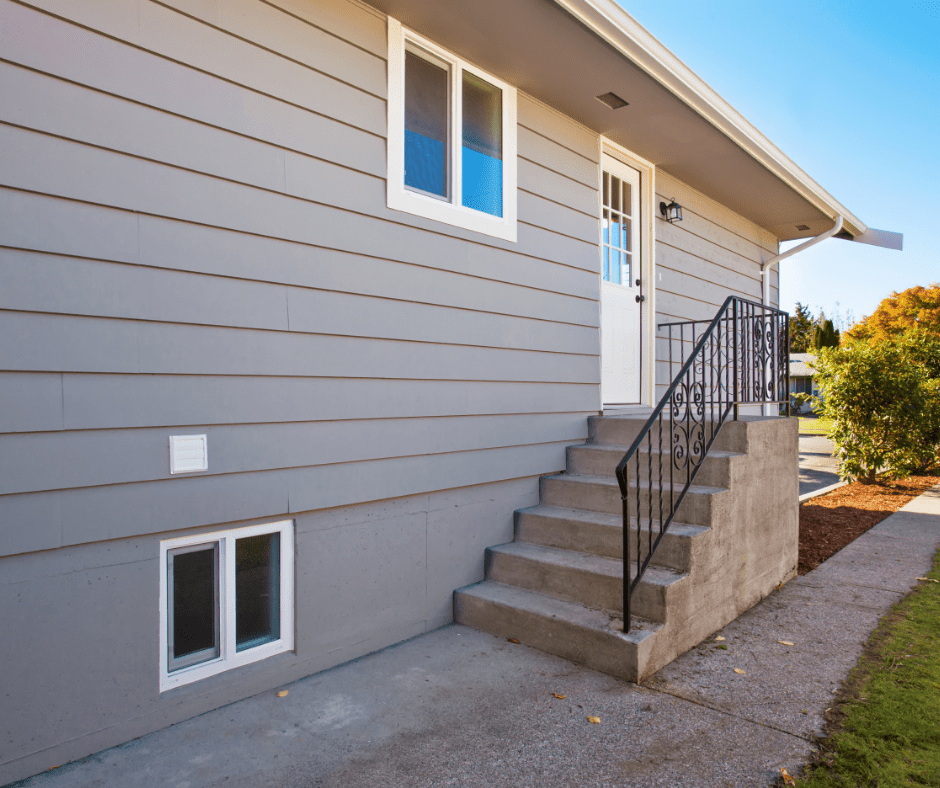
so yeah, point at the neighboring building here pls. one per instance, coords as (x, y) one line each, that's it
(298, 301)
(801, 377)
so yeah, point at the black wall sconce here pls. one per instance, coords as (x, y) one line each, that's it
(672, 212)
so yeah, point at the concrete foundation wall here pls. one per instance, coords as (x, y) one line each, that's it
(367, 576)
(752, 546)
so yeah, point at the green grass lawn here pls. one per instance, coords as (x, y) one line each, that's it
(814, 426)
(887, 730)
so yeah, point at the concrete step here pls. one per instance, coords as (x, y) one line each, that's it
(622, 431)
(590, 637)
(591, 580)
(602, 494)
(601, 459)
(602, 534)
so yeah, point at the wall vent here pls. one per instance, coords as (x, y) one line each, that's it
(189, 453)
(612, 100)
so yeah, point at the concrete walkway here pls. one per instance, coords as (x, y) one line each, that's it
(458, 707)
(818, 468)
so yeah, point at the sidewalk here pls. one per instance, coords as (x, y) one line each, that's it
(458, 707)
(818, 468)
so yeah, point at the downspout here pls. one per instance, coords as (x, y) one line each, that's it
(766, 266)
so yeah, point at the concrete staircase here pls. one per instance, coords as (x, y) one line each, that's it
(558, 587)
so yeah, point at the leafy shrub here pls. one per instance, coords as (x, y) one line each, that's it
(884, 400)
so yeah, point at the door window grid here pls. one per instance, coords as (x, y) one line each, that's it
(617, 231)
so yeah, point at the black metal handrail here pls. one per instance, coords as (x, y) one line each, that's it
(740, 358)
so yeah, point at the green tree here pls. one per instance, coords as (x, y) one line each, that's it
(917, 307)
(801, 329)
(884, 400)
(825, 335)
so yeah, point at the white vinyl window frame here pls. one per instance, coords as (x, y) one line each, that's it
(449, 211)
(229, 657)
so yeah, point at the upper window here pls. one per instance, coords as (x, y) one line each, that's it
(451, 138)
(226, 599)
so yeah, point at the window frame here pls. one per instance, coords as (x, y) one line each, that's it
(450, 211)
(229, 657)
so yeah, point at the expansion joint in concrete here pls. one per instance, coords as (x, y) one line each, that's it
(727, 713)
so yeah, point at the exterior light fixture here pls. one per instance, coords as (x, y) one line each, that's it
(672, 212)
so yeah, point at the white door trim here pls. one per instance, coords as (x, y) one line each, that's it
(648, 209)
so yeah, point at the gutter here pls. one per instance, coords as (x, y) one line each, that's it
(766, 266)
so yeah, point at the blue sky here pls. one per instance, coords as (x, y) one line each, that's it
(851, 92)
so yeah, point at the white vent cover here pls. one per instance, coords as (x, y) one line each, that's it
(189, 453)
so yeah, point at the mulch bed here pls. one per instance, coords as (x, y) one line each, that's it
(830, 522)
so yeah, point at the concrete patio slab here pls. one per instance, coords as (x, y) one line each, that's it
(459, 707)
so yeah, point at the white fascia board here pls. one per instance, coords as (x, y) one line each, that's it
(625, 34)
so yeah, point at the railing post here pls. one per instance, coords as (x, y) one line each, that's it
(734, 354)
(626, 562)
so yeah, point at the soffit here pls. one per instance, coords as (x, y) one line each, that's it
(543, 50)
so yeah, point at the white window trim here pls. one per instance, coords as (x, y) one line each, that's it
(452, 213)
(228, 656)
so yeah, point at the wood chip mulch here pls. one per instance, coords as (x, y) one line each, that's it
(830, 522)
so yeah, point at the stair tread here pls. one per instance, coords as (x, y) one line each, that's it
(562, 610)
(624, 448)
(598, 564)
(611, 520)
(611, 481)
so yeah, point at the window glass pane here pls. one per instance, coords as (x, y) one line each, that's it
(615, 266)
(426, 109)
(194, 605)
(627, 198)
(482, 163)
(257, 590)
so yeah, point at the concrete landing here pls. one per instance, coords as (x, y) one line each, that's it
(460, 707)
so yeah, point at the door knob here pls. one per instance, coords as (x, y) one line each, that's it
(640, 299)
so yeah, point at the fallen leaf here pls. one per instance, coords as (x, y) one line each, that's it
(594, 720)
(785, 643)
(560, 697)
(722, 646)
(739, 671)
(282, 694)
(719, 638)
(513, 640)
(787, 779)
(928, 580)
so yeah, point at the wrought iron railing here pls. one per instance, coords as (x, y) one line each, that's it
(739, 357)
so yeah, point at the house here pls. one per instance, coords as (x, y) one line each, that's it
(801, 378)
(299, 300)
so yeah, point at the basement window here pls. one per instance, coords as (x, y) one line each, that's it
(451, 138)
(226, 600)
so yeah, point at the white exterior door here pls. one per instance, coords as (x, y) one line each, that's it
(621, 288)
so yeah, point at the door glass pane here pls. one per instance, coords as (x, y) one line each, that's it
(482, 164)
(426, 123)
(615, 266)
(614, 193)
(257, 590)
(627, 204)
(627, 269)
(193, 607)
(606, 263)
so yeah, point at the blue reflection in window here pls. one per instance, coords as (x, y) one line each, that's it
(425, 164)
(482, 182)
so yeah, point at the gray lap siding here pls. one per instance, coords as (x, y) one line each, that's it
(194, 239)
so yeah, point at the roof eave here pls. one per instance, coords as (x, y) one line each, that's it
(609, 21)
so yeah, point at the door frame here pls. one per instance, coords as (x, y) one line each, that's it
(648, 274)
